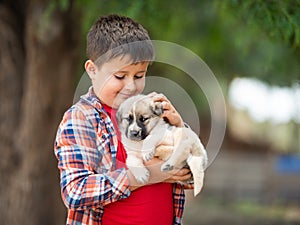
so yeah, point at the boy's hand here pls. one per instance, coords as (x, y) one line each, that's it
(156, 175)
(170, 112)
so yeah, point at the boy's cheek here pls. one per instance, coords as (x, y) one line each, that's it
(141, 86)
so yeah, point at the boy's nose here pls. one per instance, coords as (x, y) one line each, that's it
(130, 86)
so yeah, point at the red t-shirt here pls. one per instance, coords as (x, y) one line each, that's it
(147, 205)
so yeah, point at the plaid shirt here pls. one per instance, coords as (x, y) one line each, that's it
(86, 147)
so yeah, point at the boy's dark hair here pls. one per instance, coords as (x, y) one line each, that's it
(113, 35)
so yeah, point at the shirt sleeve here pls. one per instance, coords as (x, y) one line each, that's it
(188, 186)
(178, 201)
(79, 158)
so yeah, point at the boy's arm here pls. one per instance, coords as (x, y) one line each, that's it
(78, 159)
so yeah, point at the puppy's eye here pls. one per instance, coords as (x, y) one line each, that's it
(129, 118)
(143, 119)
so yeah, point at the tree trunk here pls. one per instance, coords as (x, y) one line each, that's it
(37, 58)
(12, 64)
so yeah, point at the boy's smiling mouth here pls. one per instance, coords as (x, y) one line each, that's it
(125, 95)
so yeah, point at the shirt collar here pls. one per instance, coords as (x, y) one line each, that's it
(91, 98)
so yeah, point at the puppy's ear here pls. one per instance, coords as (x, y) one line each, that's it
(119, 115)
(157, 108)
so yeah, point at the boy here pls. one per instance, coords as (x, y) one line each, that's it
(96, 186)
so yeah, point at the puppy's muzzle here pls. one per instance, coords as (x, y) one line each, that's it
(135, 135)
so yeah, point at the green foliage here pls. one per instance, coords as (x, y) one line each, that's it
(268, 37)
(91, 10)
(279, 19)
(259, 38)
(64, 4)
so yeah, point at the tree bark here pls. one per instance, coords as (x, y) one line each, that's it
(37, 74)
(12, 64)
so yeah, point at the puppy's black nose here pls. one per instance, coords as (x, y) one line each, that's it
(134, 133)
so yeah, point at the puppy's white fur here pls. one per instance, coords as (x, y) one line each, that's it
(153, 137)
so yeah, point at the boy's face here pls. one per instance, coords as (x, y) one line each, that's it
(116, 80)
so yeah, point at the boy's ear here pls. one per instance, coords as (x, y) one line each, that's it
(90, 68)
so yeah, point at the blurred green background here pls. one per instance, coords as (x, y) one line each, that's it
(256, 177)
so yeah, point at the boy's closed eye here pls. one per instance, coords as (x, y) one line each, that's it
(122, 76)
(119, 77)
(140, 75)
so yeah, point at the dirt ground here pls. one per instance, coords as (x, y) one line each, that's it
(211, 211)
(243, 188)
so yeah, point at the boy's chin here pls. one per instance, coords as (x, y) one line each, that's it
(118, 101)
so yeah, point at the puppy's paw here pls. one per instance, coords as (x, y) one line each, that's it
(166, 167)
(148, 156)
(141, 175)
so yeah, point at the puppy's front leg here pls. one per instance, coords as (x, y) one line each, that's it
(148, 152)
(136, 166)
(149, 145)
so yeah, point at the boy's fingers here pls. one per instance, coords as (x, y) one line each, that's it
(167, 105)
(159, 97)
(152, 94)
(183, 174)
(182, 178)
(179, 172)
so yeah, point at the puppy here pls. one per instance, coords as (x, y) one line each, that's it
(146, 135)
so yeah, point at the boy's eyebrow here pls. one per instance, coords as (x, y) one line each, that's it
(142, 71)
(125, 71)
